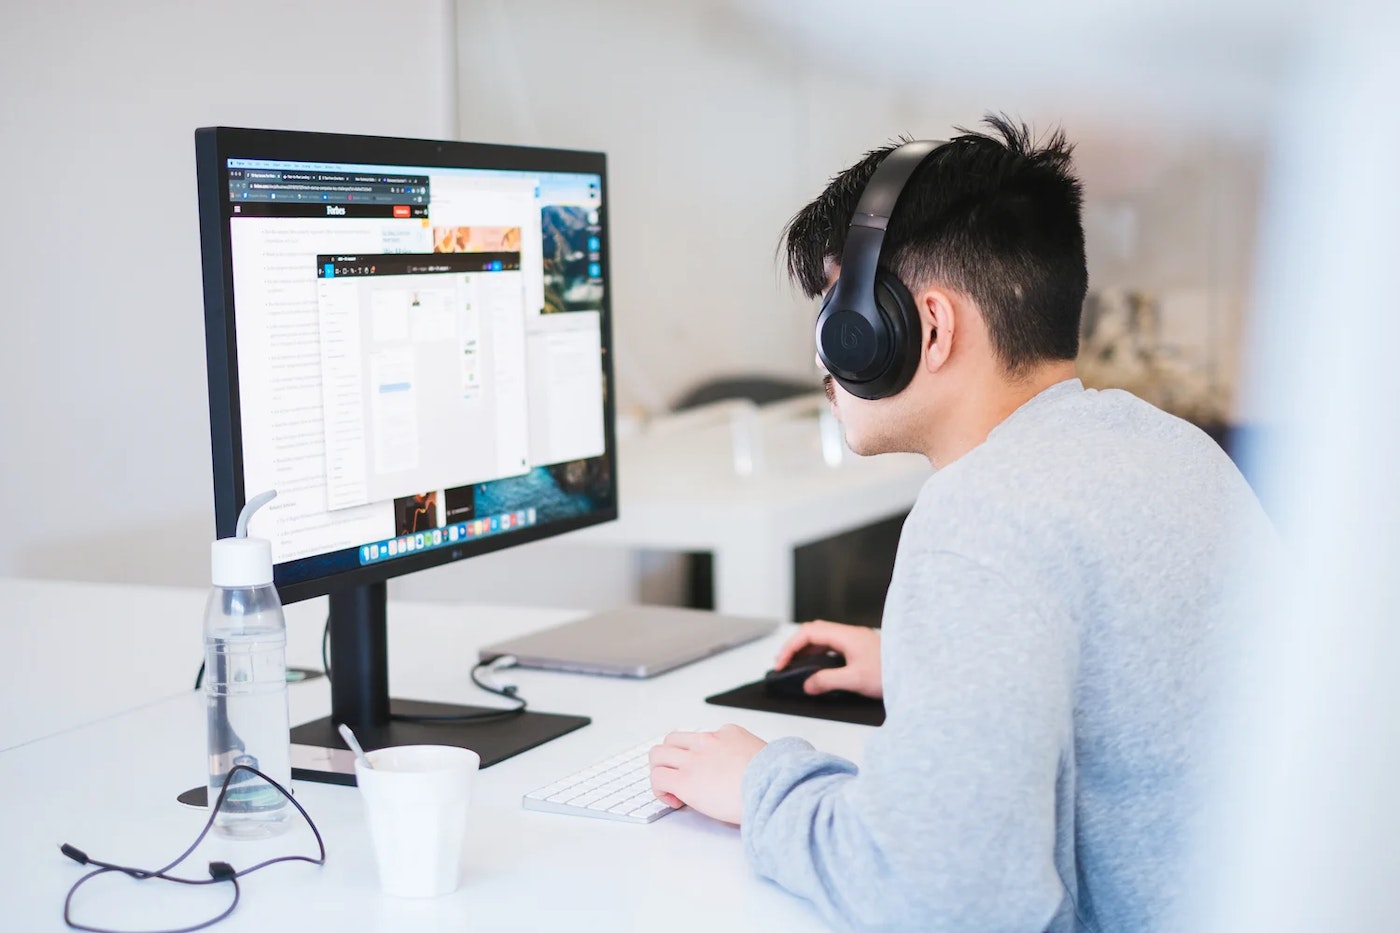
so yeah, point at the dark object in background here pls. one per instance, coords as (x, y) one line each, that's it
(844, 578)
(761, 390)
(841, 579)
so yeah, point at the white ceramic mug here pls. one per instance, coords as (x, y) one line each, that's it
(416, 800)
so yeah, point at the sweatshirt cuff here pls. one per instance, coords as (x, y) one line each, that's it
(770, 778)
(772, 762)
(763, 766)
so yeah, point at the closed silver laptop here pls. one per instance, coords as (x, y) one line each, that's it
(632, 641)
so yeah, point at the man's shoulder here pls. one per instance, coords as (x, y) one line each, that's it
(1117, 411)
(1093, 435)
(1073, 482)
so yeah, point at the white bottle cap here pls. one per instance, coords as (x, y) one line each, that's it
(241, 562)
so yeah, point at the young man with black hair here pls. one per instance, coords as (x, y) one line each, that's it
(1049, 653)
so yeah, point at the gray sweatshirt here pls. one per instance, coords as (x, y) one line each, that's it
(1050, 651)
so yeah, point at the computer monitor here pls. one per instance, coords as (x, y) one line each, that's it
(409, 341)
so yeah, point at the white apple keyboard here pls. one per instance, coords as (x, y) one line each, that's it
(616, 788)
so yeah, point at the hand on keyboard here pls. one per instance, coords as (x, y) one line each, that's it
(705, 770)
(616, 788)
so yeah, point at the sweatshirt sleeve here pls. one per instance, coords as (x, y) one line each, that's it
(950, 824)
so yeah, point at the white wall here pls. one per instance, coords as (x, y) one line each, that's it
(103, 411)
(716, 134)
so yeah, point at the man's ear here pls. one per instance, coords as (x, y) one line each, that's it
(938, 317)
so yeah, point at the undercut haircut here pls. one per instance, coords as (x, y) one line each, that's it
(991, 215)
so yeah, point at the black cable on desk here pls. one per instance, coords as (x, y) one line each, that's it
(219, 872)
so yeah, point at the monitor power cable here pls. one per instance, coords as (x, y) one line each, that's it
(482, 674)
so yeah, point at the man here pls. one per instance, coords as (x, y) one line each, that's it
(1049, 650)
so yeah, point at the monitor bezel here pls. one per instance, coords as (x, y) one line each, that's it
(214, 146)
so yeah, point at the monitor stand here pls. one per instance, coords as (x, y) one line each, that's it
(360, 699)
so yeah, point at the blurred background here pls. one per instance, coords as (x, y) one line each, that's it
(1238, 160)
(720, 119)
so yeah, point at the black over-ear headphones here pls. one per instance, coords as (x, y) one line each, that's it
(868, 333)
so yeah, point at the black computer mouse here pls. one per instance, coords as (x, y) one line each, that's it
(789, 680)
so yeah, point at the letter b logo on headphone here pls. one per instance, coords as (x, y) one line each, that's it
(850, 339)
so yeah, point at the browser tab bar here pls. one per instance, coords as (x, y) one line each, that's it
(275, 184)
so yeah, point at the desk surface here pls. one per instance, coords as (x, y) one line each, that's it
(79, 652)
(108, 787)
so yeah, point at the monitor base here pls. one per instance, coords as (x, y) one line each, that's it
(319, 754)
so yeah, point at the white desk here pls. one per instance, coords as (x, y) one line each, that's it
(679, 491)
(108, 788)
(74, 653)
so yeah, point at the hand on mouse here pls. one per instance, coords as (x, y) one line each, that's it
(859, 644)
(705, 770)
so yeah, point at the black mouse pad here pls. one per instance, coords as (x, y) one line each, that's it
(839, 705)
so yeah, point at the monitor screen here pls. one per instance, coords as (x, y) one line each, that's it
(412, 349)
(407, 340)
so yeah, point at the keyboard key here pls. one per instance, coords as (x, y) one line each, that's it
(651, 811)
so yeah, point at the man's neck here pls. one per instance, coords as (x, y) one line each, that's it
(997, 398)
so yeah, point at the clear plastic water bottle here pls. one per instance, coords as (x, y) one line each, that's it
(245, 685)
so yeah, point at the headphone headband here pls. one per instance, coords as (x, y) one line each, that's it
(882, 191)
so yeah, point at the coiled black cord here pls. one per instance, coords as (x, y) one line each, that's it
(219, 872)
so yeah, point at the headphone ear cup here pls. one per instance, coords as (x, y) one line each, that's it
(850, 335)
(900, 317)
(886, 330)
